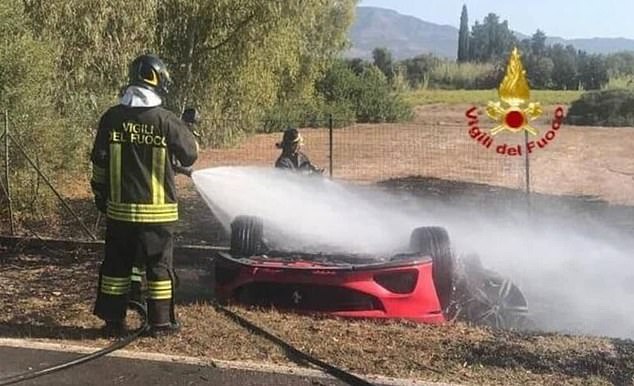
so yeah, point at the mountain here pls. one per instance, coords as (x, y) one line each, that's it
(408, 36)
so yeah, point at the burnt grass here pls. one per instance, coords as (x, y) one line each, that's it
(47, 294)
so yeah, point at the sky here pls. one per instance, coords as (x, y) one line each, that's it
(562, 18)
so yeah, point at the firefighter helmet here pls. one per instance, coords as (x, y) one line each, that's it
(150, 72)
(291, 136)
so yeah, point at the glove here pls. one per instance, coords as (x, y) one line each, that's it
(186, 170)
(191, 116)
(180, 169)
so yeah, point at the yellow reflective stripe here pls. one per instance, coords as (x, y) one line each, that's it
(144, 208)
(163, 284)
(143, 212)
(157, 295)
(158, 175)
(115, 172)
(114, 280)
(163, 291)
(114, 291)
(114, 285)
(150, 218)
(98, 174)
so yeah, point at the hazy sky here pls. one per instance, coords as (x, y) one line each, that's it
(563, 18)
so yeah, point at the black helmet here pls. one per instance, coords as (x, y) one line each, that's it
(150, 72)
(191, 115)
(291, 136)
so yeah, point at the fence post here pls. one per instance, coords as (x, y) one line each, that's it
(6, 169)
(527, 171)
(330, 155)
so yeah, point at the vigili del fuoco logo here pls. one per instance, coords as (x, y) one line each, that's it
(513, 113)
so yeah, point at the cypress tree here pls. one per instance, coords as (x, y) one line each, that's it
(463, 36)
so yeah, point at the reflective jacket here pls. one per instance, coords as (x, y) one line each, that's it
(298, 161)
(132, 178)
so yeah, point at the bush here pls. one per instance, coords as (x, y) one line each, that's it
(468, 76)
(369, 95)
(374, 102)
(603, 108)
(27, 76)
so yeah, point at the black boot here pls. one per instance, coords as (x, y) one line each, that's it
(113, 329)
(159, 331)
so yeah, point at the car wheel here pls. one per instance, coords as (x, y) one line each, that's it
(434, 242)
(247, 236)
(495, 301)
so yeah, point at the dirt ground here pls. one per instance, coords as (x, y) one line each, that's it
(49, 297)
(580, 161)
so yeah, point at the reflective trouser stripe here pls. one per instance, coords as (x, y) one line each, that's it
(98, 174)
(137, 275)
(158, 175)
(115, 285)
(159, 290)
(115, 172)
(143, 212)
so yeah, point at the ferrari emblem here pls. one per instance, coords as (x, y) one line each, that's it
(514, 112)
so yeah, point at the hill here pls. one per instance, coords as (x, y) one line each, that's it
(407, 36)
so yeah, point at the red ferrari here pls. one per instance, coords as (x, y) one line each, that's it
(426, 284)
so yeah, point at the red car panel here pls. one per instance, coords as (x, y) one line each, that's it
(402, 289)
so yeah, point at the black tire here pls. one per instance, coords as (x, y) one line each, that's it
(495, 301)
(247, 236)
(434, 242)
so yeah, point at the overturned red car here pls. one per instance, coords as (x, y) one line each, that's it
(425, 284)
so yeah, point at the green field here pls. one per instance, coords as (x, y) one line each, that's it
(545, 97)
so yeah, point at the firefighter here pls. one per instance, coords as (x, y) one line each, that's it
(191, 117)
(292, 157)
(133, 184)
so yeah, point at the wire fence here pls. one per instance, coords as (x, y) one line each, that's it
(435, 150)
(371, 153)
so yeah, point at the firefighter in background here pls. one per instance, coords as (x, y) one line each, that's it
(133, 184)
(292, 157)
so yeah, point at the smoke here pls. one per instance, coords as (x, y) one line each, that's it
(577, 274)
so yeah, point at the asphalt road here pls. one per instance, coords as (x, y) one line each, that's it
(124, 371)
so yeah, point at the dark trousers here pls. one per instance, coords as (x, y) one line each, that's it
(141, 245)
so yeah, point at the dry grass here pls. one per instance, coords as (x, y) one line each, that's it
(430, 96)
(51, 298)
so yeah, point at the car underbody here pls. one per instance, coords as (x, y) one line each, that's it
(426, 284)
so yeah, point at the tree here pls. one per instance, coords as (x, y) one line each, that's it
(539, 66)
(463, 36)
(491, 41)
(539, 70)
(593, 71)
(231, 58)
(357, 65)
(28, 83)
(538, 43)
(564, 73)
(418, 69)
(383, 60)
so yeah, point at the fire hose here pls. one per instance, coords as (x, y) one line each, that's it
(336, 372)
(84, 358)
